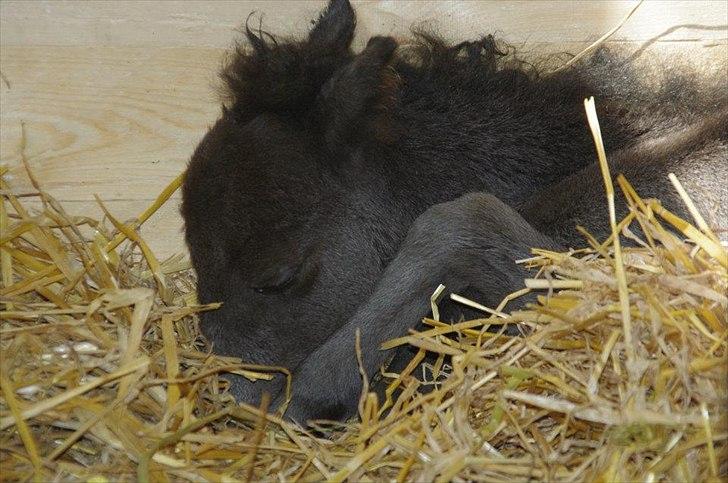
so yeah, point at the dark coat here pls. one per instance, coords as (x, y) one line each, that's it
(338, 189)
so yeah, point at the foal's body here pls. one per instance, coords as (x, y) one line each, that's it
(339, 189)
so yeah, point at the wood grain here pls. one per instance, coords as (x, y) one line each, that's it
(210, 23)
(115, 95)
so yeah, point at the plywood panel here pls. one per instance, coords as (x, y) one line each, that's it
(115, 95)
(210, 23)
(120, 121)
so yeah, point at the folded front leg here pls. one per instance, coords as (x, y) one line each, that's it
(471, 242)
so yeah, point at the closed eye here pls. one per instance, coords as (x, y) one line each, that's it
(281, 280)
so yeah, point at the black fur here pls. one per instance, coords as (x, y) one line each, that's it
(339, 188)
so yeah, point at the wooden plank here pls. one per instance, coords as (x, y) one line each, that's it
(210, 24)
(121, 122)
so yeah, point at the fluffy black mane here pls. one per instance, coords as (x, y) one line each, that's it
(267, 73)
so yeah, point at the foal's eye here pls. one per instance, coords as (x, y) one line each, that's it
(279, 281)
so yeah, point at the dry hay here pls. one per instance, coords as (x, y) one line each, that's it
(621, 376)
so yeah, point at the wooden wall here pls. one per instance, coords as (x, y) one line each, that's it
(115, 95)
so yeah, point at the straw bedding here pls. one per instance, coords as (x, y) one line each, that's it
(620, 374)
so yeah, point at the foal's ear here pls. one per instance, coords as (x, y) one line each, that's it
(335, 27)
(355, 98)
